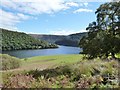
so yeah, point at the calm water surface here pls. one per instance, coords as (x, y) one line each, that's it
(43, 52)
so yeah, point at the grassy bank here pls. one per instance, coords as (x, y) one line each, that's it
(63, 71)
(42, 62)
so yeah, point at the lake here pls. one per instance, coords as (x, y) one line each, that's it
(43, 52)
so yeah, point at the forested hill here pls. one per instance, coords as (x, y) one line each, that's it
(66, 40)
(48, 38)
(12, 40)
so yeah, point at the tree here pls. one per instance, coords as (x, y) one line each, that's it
(104, 34)
(108, 18)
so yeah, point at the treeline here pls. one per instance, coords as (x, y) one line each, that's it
(103, 38)
(12, 40)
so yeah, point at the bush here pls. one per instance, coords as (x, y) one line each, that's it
(9, 62)
(18, 81)
(86, 74)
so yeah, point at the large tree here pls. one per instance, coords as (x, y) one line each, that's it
(104, 34)
(108, 18)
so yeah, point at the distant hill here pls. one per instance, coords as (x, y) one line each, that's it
(48, 38)
(12, 40)
(66, 40)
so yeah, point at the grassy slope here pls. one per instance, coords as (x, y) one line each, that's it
(43, 62)
(74, 71)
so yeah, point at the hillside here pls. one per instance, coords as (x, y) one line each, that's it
(66, 40)
(12, 40)
(48, 38)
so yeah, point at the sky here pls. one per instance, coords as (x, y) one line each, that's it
(57, 17)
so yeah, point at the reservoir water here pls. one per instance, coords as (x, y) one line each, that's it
(43, 52)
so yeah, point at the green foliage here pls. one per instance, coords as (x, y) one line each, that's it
(103, 35)
(83, 74)
(17, 40)
(9, 62)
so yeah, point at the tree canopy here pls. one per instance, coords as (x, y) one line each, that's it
(12, 40)
(103, 34)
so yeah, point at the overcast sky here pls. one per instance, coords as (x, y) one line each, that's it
(60, 17)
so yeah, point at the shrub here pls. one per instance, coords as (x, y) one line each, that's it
(18, 81)
(9, 62)
(85, 74)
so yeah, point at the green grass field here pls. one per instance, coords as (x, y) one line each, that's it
(43, 62)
